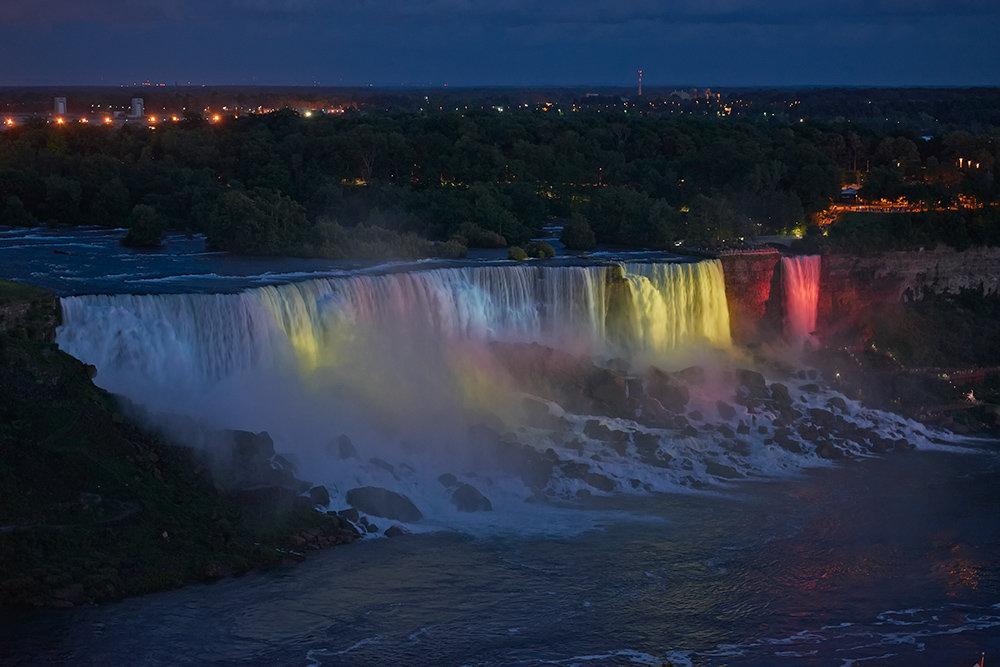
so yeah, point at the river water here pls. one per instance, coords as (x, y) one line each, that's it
(875, 561)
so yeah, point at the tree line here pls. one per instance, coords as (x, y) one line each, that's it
(414, 184)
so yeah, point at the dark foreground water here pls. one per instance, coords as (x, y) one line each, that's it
(882, 562)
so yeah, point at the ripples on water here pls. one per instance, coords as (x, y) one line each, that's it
(890, 561)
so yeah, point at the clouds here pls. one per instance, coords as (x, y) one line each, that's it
(518, 13)
(715, 42)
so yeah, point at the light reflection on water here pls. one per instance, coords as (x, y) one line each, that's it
(826, 569)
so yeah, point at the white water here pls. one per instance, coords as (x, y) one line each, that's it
(800, 279)
(404, 365)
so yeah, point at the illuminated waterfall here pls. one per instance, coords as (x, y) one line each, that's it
(401, 347)
(800, 278)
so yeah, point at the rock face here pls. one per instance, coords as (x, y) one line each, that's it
(382, 502)
(751, 284)
(851, 284)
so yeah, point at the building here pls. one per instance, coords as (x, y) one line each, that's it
(60, 106)
(138, 107)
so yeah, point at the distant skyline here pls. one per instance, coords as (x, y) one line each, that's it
(720, 43)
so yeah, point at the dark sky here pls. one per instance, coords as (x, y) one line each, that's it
(520, 42)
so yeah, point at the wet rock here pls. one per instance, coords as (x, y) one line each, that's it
(689, 431)
(752, 383)
(609, 390)
(695, 415)
(468, 498)
(721, 470)
(646, 443)
(725, 431)
(598, 431)
(574, 470)
(318, 495)
(395, 530)
(838, 403)
(828, 450)
(447, 480)
(780, 395)
(383, 502)
(743, 428)
(694, 375)
(823, 418)
(783, 438)
(672, 395)
(810, 388)
(599, 481)
(349, 514)
(252, 446)
(737, 446)
(726, 411)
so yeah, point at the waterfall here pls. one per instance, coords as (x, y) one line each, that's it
(406, 364)
(800, 278)
(185, 341)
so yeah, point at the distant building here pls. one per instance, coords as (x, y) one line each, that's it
(138, 107)
(60, 106)
(849, 193)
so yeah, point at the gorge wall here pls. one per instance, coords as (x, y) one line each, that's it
(850, 285)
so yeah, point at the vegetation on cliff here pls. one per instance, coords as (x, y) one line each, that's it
(94, 508)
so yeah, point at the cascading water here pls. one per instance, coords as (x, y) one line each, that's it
(493, 375)
(405, 363)
(800, 278)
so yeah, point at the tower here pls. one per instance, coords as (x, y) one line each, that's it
(640, 83)
(137, 107)
(60, 104)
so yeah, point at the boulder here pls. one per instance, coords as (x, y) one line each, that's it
(598, 431)
(395, 530)
(599, 481)
(319, 496)
(468, 498)
(780, 395)
(722, 470)
(670, 394)
(383, 502)
(447, 480)
(726, 411)
(752, 383)
(838, 403)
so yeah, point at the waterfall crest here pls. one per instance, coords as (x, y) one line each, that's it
(188, 340)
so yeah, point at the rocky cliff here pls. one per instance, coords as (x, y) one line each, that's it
(851, 285)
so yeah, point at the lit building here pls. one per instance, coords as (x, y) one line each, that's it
(60, 106)
(138, 107)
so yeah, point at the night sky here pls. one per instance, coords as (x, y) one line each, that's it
(522, 42)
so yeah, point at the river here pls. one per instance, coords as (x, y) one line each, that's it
(877, 560)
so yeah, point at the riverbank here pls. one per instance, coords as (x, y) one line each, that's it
(94, 508)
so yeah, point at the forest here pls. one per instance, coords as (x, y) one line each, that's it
(363, 184)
